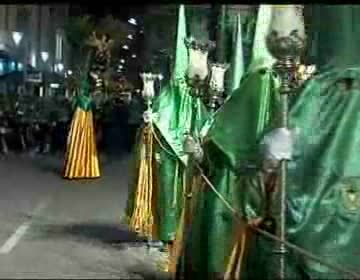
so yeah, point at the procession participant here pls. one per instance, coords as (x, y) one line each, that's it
(81, 159)
(156, 198)
(237, 127)
(323, 193)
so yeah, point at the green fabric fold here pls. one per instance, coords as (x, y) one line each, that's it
(323, 193)
(253, 104)
(85, 103)
(174, 110)
(229, 144)
(323, 182)
(84, 100)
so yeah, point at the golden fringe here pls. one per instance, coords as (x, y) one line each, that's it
(81, 159)
(142, 217)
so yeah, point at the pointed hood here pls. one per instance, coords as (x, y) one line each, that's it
(260, 54)
(238, 56)
(181, 53)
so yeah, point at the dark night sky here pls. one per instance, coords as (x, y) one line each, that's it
(120, 11)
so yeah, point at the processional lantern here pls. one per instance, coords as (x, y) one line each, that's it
(197, 73)
(286, 42)
(148, 92)
(206, 83)
(217, 83)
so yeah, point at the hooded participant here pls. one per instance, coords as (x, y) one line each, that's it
(156, 199)
(323, 190)
(81, 159)
(230, 142)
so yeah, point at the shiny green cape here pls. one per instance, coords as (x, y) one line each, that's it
(230, 142)
(323, 182)
(174, 110)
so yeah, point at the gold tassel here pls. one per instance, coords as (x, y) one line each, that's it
(233, 269)
(81, 159)
(142, 218)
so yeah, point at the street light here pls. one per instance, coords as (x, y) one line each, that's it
(17, 37)
(44, 56)
(59, 67)
(132, 21)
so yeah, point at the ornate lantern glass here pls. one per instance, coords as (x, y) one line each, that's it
(217, 79)
(198, 70)
(148, 91)
(286, 36)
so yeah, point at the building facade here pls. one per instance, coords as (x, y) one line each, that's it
(33, 35)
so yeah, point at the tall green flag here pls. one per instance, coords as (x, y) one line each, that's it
(238, 56)
(260, 54)
(181, 53)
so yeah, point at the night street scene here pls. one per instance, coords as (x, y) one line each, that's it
(179, 141)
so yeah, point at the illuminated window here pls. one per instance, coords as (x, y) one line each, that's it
(12, 66)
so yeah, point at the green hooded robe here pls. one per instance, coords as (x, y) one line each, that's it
(174, 111)
(323, 187)
(230, 143)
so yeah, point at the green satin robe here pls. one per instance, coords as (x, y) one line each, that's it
(323, 182)
(231, 139)
(323, 187)
(174, 110)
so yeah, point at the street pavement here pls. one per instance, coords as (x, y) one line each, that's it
(53, 228)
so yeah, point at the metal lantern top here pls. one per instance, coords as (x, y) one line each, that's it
(286, 37)
(192, 43)
(198, 70)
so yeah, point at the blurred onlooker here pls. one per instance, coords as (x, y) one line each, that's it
(136, 109)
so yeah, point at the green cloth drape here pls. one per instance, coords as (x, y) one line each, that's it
(324, 176)
(228, 144)
(176, 109)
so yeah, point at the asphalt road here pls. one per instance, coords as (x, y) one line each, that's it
(52, 228)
